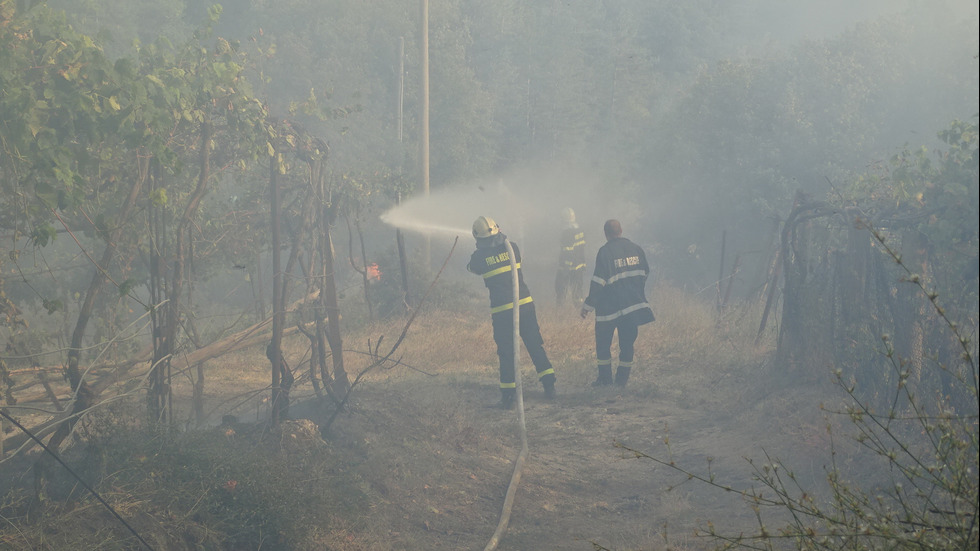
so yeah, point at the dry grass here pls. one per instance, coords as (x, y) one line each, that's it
(419, 463)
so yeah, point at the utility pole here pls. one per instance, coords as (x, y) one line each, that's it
(401, 86)
(427, 250)
(399, 238)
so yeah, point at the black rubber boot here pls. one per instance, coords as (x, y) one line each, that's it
(622, 375)
(507, 398)
(549, 387)
(605, 376)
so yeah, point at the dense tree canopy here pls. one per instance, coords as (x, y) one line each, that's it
(683, 112)
(181, 161)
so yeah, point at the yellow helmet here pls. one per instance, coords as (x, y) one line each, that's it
(484, 226)
(568, 215)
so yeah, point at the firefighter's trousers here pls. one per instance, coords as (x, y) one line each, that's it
(569, 282)
(503, 335)
(604, 331)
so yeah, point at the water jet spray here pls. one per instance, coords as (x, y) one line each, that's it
(452, 211)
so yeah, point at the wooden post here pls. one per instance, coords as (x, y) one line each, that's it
(403, 264)
(731, 279)
(427, 249)
(721, 272)
(399, 238)
(401, 86)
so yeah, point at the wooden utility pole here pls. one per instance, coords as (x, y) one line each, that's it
(427, 250)
(399, 238)
(721, 271)
(401, 86)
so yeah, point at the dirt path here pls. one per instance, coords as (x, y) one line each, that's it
(434, 462)
(439, 470)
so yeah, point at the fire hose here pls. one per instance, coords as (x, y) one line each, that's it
(515, 479)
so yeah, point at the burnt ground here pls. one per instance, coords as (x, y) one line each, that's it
(431, 461)
(438, 460)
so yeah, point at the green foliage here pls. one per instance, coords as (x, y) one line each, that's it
(935, 195)
(910, 484)
(119, 23)
(53, 306)
(57, 85)
(127, 286)
(43, 234)
(631, 87)
(750, 131)
(941, 193)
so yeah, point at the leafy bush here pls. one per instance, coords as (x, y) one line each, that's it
(922, 448)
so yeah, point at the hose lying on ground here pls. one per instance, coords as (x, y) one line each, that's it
(515, 479)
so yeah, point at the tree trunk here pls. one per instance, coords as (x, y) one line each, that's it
(256, 280)
(363, 268)
(328, 297)
(274, 351)
(84, 397)
(166, 325)
(909, 331)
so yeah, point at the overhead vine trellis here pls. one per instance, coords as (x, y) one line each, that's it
(842, 293)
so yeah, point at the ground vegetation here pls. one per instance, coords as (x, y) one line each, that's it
(198, 298)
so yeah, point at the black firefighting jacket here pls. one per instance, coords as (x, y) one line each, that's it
(571, 257)
(492, 262)
(617, 287)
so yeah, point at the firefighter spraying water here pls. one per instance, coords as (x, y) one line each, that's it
(491, 260)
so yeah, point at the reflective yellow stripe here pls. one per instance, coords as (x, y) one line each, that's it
(546, 372)
(604, 362)
(508, 385)
(510, 305)
(623, 312)
(625, 364)
(500, 270)
(624, 275)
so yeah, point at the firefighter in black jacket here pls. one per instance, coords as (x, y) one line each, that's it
(617, 295)
(492, 262)
(571, 260)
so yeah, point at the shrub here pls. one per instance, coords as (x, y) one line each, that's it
(922, 448)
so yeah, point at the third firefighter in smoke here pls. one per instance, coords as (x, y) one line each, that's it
(571, 260)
